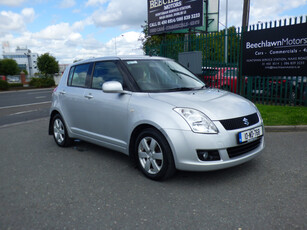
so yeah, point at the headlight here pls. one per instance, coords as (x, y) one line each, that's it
(198, 122)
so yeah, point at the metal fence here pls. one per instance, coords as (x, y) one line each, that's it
(223, 71)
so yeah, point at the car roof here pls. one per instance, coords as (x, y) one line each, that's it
(126, 57)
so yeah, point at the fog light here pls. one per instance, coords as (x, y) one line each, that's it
(205, 155)
(208, 155)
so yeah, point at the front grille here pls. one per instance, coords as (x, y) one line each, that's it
(242, 149)
(240, 122)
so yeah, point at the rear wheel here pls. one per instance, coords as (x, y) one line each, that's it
(60, 132)
(153, 154)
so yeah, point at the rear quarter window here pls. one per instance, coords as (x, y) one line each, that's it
(71, 72)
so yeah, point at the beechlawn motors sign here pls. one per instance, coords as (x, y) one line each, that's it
(169, 15)
(280, 51)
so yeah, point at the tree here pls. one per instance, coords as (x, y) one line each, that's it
(212, 45)
(169, 44)
(47, 64)
(25, 71)
(8, 67)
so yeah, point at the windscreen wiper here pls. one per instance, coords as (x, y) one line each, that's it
(182, 89)
(176, 71)
(203, 87)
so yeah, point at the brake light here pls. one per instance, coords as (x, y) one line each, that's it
(54, 90)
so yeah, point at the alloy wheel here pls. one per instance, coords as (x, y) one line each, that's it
(150, 155)
(59, 131)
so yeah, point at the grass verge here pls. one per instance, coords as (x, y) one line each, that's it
(283, 115)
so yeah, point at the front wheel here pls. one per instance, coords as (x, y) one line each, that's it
(153, 154)
(60, 132)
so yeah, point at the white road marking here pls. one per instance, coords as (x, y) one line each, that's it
(16, 106)
(24, 122)
(22, 112)
(27, 90)
(48, 92)
(40, 97)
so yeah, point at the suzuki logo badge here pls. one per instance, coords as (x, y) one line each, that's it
(245, 121)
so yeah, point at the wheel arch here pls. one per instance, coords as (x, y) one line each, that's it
(170, 167)
(136, 131)
(53, 113)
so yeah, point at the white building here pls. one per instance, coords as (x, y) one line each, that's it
(62, 68)
(24, 58)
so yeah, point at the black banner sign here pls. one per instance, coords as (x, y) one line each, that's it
(168, 15)
(280, 51)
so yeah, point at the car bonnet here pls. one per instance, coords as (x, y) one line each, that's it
(216, 104)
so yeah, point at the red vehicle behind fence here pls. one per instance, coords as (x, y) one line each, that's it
(221, 77)
(286, 88)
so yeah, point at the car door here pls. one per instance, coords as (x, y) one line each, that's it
(72, 97)
(107, 112)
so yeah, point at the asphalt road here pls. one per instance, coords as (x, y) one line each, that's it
(43, 186)
(24, 105)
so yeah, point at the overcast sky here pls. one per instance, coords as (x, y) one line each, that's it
(73, 29)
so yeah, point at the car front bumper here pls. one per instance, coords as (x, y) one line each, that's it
(185, 145)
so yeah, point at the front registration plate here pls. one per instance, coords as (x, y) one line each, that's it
(250, 135)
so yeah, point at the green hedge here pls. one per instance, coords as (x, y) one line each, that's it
(4, 85)
(15, 85)
(42, 82)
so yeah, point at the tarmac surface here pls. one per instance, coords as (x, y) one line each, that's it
(85, 186)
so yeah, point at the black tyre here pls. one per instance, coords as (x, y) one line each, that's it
(59, 131)
(154, 155)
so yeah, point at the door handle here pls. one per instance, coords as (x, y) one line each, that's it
(89, 96)
(62, 92)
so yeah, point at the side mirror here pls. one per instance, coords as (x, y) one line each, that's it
(112, 87)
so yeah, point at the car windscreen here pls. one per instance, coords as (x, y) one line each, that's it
(162, 75)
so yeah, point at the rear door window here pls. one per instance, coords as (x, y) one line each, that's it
(78, 77)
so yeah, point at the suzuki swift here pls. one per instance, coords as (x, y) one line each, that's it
(157, 112)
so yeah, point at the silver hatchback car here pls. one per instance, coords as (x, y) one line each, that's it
(157, 112)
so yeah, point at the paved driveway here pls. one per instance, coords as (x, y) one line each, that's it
(43, 186)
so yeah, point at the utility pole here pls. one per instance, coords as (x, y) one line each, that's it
(245, 17)
(226, 34)
(207, 15)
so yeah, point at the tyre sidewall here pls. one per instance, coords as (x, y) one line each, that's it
(67, 141)
(168, 167)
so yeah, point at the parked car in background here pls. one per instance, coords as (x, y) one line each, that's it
(221, 78)
(287, 89)
(299, 89)
(157, 112)
(290, 89)
(13, 79)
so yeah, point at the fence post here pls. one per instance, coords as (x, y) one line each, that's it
(240, 86)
